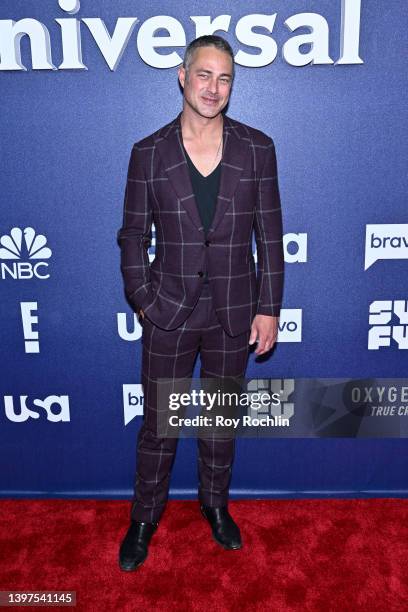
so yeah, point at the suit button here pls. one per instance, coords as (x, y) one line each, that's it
(207, 243)
(200, 273)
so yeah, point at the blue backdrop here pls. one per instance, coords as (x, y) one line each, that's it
(66, 136)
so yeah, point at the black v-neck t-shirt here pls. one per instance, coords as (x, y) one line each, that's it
(205, 190)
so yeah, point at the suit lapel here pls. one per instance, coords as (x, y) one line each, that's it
(235, 150)
(170, 149)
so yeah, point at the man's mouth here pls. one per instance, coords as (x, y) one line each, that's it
(209, 100)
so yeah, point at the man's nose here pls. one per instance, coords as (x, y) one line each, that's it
(213, 86)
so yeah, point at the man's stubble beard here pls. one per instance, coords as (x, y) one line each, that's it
(197, 110)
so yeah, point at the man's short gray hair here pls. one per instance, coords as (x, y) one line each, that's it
(208, 40)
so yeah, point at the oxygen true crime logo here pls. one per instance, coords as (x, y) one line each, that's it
(112, 46)
(387, 400)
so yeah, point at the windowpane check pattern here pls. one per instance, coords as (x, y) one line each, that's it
(159, 190)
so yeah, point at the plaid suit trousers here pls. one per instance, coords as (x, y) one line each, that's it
(172, 354)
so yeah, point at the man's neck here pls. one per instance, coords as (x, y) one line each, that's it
(199, 128)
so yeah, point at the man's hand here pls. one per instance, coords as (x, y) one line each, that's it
(141, 313)
(264, 328)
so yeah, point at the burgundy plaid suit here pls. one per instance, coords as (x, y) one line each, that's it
(159, 188)
(181, 316)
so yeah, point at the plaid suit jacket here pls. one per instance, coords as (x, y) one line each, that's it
(159, 190)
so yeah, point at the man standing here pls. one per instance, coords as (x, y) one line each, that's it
(205, 180)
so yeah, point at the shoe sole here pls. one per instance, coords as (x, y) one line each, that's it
(218, 541)
(130, 568)
(224, 546)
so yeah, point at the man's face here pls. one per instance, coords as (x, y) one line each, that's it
(207, 84)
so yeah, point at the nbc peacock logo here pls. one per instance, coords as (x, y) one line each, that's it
(22, 255)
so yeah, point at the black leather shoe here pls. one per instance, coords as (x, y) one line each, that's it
(133, 550)
(225, 530)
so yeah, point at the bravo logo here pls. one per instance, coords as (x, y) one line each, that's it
(166, 32)
(20, 245)
(385, 241)
(290, 325)
(132, 402)
(389, 320)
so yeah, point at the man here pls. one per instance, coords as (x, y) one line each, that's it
(205, 180)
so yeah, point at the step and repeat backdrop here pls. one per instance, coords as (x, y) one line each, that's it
(80, 82)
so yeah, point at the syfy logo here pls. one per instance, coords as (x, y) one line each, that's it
(113, 46)
(23, 413)
(381, 314)
(385, 241)
(283, 387)
(13, 250)
(132, 402)
(290, 325)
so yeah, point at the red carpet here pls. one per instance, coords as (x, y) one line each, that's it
(306, 555)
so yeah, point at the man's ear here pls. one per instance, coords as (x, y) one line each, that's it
(181, 76)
